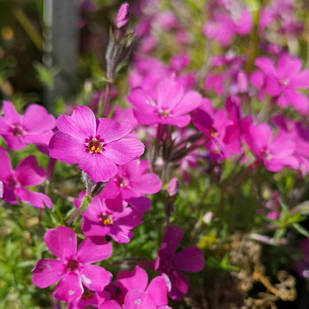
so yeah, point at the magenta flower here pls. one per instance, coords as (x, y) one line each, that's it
(98, 147)
(276, 153)
(284, 81)
(138, 293)
(73, 268)
(35, 127)
(132, 180)
(99, 220)
(27, 174)
(170, 105)
(172, 264)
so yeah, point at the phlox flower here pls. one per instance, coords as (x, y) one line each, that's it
(27, 174)
(132, 180)
(140, 295)
(72, 269)
(97, 147)
(172, 264)
(34, 127)
(275, 152)
(99, 220)
(284, 81)
(170, 105)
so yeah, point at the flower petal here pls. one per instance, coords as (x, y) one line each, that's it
(81, 124)
(5, 166)
(94, 249)
(189, 259)
(69, 289)
(172, 237)
(95, 278)
(99, 167)
(61, 242)
(158, 290)
(124, 150)
(147, 184)
(47, 272)
(37, 119)
(135, 279)
(110, 130)
(29, 173)
(36, 199)
(190, 101)
(10, 113)
(66, 148)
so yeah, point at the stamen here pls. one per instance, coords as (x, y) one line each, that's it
(94, 145)
(106, 219)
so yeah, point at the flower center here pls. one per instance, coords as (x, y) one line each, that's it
(123, 182)
(17, 130)
(94, 145)
(87, 294)
(164, 113)
(12, 183)
(72, 265)
(106, 219)
(284, 82)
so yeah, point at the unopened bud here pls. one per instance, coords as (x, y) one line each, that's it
(122, 17)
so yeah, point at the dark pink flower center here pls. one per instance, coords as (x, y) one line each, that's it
(17, 130)
(106, 219)
(72, 265)
(94, 144)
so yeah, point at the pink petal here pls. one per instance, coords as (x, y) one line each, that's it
(99, 167)
(66, 148)
(13, 142)
(95, 278)
(10, 113)
(61, 242)
(36, 199)
(298, 100)
(158, 290)
(124, 150)
(288, 67)
(189, 102)
(69, 289)
(47, 272)
(266, 65)
(136, 299)
(37, 119)
(172, 237)
(147, 184)
(29, 173)
(140, 204)
(179, 121)
(110, 130)
(146, 119)
(189, 259)
(94, 249)
(136, 279)
(141, 101)
(301, 80)
(81, 124)
(111, 190)
(180, 285)
(5, 166)
(169, 93)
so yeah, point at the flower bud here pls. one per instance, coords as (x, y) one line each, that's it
(173, 187)
(122, 17)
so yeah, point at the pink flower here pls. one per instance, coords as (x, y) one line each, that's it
(275, 152)
(138, 293)
(99, 220)
(35, 127)
(27, 174)
(170, 105)
(73, 268)
(98, 147)
(132, 180)
(172, 264)
(284, 81)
